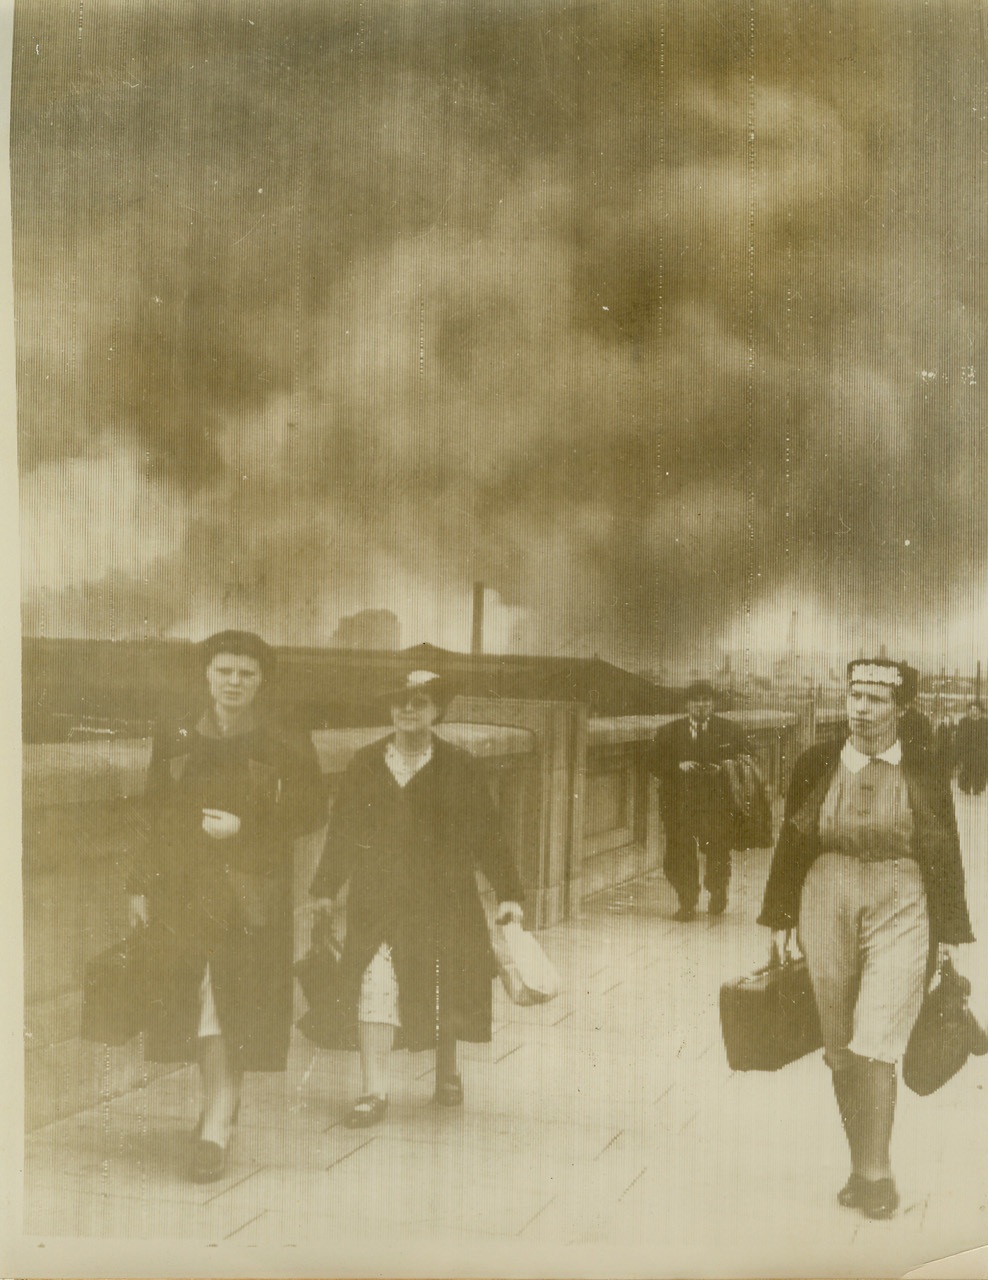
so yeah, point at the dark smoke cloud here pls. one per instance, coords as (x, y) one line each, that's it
(661, 320)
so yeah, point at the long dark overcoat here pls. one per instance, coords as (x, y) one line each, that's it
(935, 846)
(225, 902)
(410, 855)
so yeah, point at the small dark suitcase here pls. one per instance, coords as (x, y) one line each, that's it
(769, 1019)
(318, 974)
(115, 992)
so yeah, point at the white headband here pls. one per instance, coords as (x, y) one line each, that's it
(873, 673)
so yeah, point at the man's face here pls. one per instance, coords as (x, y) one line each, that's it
(700, 708)
(871, 710)
(233, 680)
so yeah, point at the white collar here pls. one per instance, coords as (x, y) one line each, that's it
(855, 760)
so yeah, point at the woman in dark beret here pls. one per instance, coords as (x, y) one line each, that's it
(226, 793)
(411, 824)
(868, 867)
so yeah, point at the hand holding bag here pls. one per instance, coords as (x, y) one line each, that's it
(945, 1034)
(528, 974)
(770, 1018)
(318, 976)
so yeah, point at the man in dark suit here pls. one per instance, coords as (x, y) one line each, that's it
(697, 810)
(971, 751)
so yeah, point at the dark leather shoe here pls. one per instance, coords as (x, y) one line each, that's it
(208, 1161)
(366, 1111)
(685, 913)
(449, 1092)
(718, 903)
(849, 1192)
(878, 1199)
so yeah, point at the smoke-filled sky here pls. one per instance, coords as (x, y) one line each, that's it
(663, 320)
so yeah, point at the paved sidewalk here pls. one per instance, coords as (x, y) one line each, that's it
(608, 1117)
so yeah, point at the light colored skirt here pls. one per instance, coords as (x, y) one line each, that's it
(379, 990)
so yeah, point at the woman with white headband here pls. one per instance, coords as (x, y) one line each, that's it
(868, 867)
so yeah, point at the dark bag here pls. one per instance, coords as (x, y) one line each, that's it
(115, 992)
(749, 803)
(945, 1034)
(770, 1018)
(318, 974)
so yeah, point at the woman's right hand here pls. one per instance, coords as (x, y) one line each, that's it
(219, 824)
(137, 910)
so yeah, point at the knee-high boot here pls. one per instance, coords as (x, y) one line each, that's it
(844, 1081)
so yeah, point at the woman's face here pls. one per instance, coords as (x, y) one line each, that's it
(872, 711)
(233, 680)
(414, 712)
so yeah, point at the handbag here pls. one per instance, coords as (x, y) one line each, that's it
(945, 1034)
(318, 974)
(528, 975)
(769, 1018)
(749, 804)
(115, 991)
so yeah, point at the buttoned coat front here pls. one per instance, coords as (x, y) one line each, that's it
(935, 843)
(224, 902)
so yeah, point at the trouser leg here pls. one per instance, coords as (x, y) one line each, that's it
(221, 1083)
(374, 1040)
(445, 1057)
(682, 870)
(717, 874)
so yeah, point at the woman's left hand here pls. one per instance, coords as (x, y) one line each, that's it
(509, 913)
(946, 951)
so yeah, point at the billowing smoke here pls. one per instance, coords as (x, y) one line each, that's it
(661, 320)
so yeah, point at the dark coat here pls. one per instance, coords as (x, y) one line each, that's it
(228, 902)
(971, 742)
(410, 855)
(936, 846)
(684, 793)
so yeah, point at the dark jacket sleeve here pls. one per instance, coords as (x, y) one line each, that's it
(156, 787)
(336, 861)
(491, 849)
(663, 759)
(949, 915)
(793, 850)
(305, 788)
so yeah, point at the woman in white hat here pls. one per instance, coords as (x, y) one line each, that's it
(868, 865)
(411, 824)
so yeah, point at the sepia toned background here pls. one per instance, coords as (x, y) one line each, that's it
(661, 320)
(663, 326)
